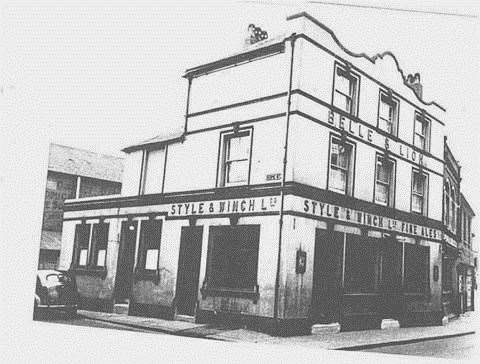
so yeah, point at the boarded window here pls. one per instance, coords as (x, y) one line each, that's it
(99, 244)
(362, 259)
(82, 241)
(233, 256)
(417, 265)
(149, 246)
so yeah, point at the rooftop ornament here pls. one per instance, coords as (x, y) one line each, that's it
(255, 34)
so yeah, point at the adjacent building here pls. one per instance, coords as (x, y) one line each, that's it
(72, 173)
(306, 189)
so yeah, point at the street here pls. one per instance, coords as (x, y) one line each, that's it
(460, 348)
(58, 317)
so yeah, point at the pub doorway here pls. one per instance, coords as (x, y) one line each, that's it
(125, 262)
(188, 270)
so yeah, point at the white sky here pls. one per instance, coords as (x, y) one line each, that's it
(104, 77)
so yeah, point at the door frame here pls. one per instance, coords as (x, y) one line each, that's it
(181, 259)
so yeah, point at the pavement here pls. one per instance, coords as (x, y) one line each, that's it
(355, 340)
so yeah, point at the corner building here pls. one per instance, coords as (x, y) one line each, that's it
(305, 189)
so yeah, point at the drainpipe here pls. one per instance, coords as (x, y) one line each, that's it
(187, 107)
(292, 39)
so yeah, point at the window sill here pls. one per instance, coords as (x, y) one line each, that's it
(146, 275)
(91, 271)
(252, 294)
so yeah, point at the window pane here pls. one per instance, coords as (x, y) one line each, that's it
(101, 258)
(417, 203)
(385, 125)
(342, 83)
(338, 179)
(83, 257)
(151, 259)
(239, 148)
(418, 183)
(386, 111)
(361, 263)
(342, 102)
(237, 172)
(381, 193)
(383, 171)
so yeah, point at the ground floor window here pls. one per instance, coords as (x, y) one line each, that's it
(417, 266)
(149, 245)
(362, 264)
(99, 244)
(82, 242)
(233, 257)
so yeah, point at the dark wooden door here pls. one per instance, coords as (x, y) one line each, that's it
(327, 275)
(125, 261)
(188, 269)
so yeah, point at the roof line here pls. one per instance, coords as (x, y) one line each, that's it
(86, 150)
(364, 55)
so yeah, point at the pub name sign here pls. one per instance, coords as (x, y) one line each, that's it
(363, 132)
(341, 213)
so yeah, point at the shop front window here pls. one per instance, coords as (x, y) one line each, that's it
(99, 244)
(417, 265)
(233, 257)
(149, 245)
(362, 263)
(82, 242)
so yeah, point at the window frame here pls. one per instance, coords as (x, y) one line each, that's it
(350, 178)
(250, 289)
(396, 102)
(225, 137)
(146, 242)
(424, 211)
(82, 244)
(99, 241)
(392, 184)
(355, 97)
(423, 119)
(415, 282)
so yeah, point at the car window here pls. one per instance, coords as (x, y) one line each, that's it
(53, 279)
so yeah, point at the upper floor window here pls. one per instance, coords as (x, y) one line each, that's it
(235, 158)
(345, 95)
(419, 192)
(341, 166)
(446, 203)
(388, 113)
(421, 132)
(384, 181)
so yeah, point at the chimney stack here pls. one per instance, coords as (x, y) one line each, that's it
(413, 81)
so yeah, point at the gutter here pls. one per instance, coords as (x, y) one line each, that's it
(292, 39)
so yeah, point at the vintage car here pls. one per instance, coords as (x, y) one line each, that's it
(55, 290)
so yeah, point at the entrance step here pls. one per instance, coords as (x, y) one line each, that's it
(319, 329)
(185, 318)
(120, 308)
(389, 324)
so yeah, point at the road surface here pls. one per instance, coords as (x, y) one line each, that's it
(460, 348)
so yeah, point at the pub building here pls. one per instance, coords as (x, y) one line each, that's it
(304, 193)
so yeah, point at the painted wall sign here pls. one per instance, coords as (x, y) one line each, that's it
(232, 206)
(359, 130)
(340, 213)
(273, 177)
